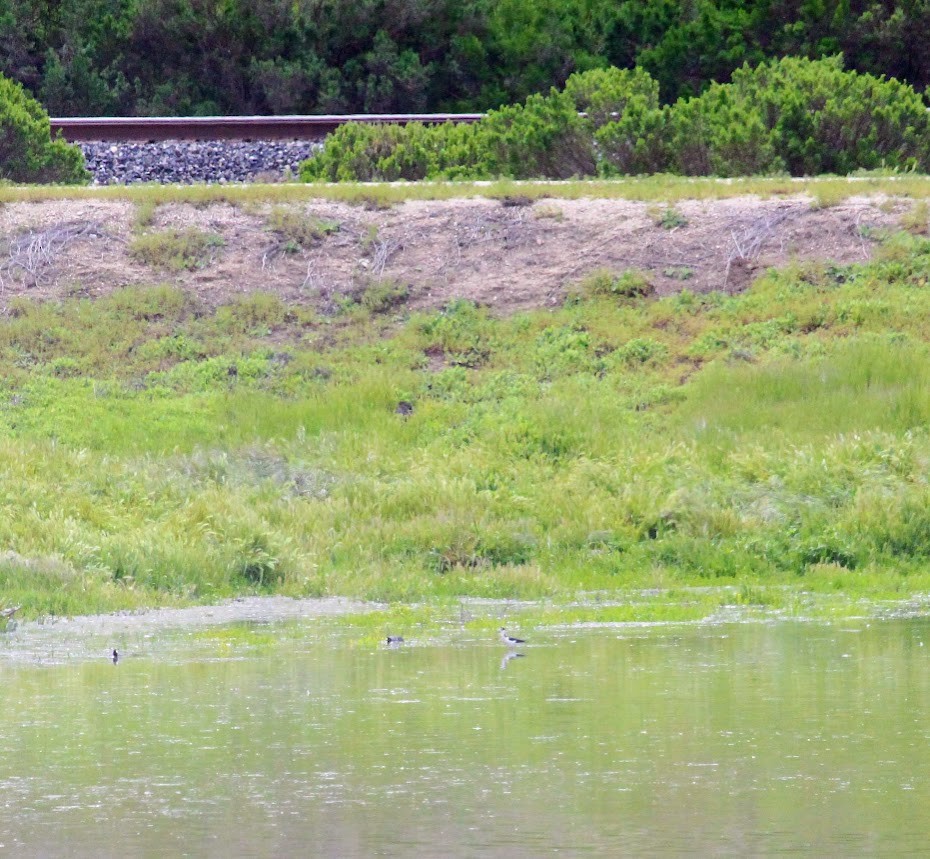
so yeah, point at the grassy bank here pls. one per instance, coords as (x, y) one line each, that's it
(155, 451)
(825, 190)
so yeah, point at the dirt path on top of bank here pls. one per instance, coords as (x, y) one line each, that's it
(510, 255)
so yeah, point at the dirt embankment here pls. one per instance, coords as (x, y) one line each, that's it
(509, 254)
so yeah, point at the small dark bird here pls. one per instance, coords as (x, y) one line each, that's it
(395, 639)
(115, 656)
(404, 409)
(509, 639)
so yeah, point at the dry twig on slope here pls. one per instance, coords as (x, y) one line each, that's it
(32, 254)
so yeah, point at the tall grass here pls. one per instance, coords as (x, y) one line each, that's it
(154, 450)
(660, 188)
(875, 383)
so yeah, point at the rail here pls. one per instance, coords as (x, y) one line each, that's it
(155, 128)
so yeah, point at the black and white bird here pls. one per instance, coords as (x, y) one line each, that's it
(395, 639)
(115, 656)
(509, 639)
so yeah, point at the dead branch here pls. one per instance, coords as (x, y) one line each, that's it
(312, 279)
(34, 253)
(859, 232)
(384, 250)
(747, 242)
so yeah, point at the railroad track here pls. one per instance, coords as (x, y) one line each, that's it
(161, 128)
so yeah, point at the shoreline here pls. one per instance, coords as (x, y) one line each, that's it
(705, 605)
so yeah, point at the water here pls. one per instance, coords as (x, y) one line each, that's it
(286, 740)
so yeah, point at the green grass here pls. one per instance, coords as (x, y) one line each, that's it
(668, 218)
(298, 230)
(661, 188)
(175, 250)
(771, 447)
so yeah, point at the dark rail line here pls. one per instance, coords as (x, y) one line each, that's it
(155, 128)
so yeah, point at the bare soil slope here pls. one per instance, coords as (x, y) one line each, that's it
(507, 254)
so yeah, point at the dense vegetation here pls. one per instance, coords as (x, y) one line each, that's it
(280, 56)
(152, 449)
(805, 117)
(27, 151)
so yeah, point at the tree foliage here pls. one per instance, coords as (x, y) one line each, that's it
(317, 56)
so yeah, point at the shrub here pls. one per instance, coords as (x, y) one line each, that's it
(149, 303)
(255, 312)
(560, 351)
(27, 151)
(631, 283)
(542, 138)
(462, 332)
(298, 229)
(175, 250)
(803, 116)
(604, 95)
(547, 210)
(255, 562)
(916, 220)
(379, 296)
(796, 115)
(640, 350)
(389, 153)
(669, 218)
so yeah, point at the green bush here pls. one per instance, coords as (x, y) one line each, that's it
(796, 115)
(382, 295)
(604, 95)
(639, 350)
(461, 332)
(27, 151)
(297, 229)
(545, 137)
(802, 116)
(560, 351)
(388, 153)
(631, 283)
(542, 138)
(257, 311)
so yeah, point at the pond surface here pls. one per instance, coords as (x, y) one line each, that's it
(289, 740)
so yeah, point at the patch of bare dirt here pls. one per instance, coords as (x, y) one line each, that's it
(507, 257)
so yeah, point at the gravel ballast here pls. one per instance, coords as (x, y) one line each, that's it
(186, 162)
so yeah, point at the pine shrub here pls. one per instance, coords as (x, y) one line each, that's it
(794, 115)
(806, 117)
(27, 151)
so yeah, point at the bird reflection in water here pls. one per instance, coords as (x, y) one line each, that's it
(509, 656)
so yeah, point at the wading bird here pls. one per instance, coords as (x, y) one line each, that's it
(509, 639)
